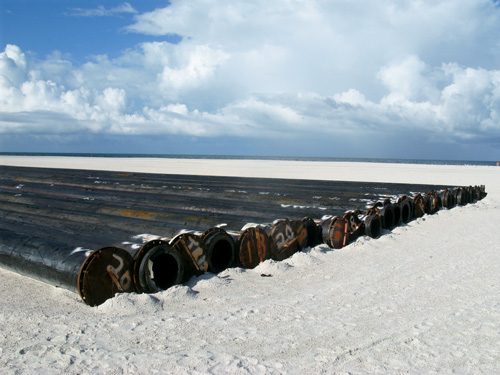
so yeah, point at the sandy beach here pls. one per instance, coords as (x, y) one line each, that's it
(423, 298)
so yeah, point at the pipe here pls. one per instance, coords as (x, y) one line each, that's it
(314, 236)
(418, 206)
(445, 198)
(96, 275)
(254, 247)
(431, 202)
(406, 210)
(460, 196)
(194, 251)
(324, 225)
(197, 200)
(398, 215)
(387, 216)
(288, 237)
(221, 249)
(51, 210)
(158, 266)
(335, 232)
(373, 225)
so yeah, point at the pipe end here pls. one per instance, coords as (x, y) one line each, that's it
(106, 272)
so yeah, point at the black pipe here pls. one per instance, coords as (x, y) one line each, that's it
(387, 216)
(158, 266)
(288, 237)
(95, 275)
(373, 225)
(398, 215)
(406, 213)
(221, 249)
(48, 213)
(314, 236)
(206, 195)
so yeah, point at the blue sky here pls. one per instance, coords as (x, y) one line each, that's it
(391, 79)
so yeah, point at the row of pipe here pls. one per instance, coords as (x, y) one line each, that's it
(162, 263)
(45, 212)
(337, 232)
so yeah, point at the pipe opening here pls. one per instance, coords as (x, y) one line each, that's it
(164, 271)
(388, 218)
(397, 214)
(405, 213)
(221, 255)
(428, 205)
(373, 226)
(314, 236)
(160, 268)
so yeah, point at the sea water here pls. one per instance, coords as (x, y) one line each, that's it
(256, 157)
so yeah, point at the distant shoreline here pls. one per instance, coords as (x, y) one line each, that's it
(257, 157)
(359, 170)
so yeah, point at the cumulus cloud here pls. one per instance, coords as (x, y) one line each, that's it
(190, 67)
(281, 70)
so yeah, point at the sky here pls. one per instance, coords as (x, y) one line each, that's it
(405, 79)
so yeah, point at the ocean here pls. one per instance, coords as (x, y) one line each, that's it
(254, 157)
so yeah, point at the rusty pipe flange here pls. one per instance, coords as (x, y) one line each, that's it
(480, 192)
(453, 197)
(300, 231)
(431, 202)
(465, 193)
(483, 192)
(314, 236)
(338, 233)
(468, 195)
(221, 249)
(254, 246)
(194, 251)
(158, 266)
(104, 273)
(355, 224)
(470, 192)
(418, 206)
(445, 198)
(324, 225)
(477, 193)
(460, 196)
(285, 236)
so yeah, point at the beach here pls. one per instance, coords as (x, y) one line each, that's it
(422, 298)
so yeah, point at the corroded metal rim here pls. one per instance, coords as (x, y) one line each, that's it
(105, 272)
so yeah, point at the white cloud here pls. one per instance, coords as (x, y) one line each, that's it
(190, 67)
(352, 97)
(13, 65)
(101, 11)
(472, 101)
(330, 45)
(279, 69)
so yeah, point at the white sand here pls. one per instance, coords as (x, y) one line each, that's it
(424, 298)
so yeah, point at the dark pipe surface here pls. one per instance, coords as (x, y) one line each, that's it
(47, 214)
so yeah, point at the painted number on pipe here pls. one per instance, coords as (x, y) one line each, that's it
(121, 279)
(283, 238)
(197, 253)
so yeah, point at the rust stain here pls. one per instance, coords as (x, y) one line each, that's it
(135, 214)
